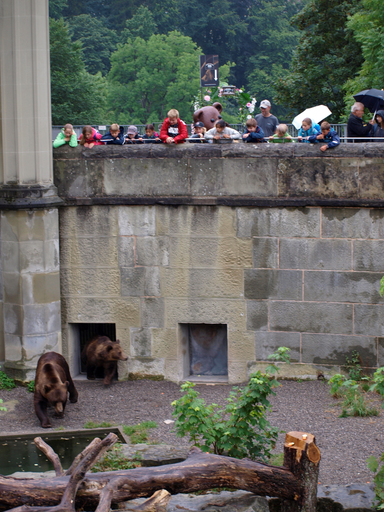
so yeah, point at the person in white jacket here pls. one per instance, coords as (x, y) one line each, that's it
(222, 131)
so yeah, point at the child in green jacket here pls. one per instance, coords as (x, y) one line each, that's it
(281, 134)
(66, 136)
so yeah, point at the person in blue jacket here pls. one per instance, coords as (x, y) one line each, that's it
(308, 128)
(327, 135)
(252, 133)
(114, 136)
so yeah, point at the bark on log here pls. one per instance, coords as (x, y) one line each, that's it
(302, 458)
(198, 472)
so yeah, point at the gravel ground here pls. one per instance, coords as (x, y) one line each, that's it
(345, 443)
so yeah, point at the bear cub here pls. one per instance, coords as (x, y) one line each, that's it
(52, 384)
(102, 352)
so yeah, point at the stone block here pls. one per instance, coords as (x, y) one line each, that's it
(137, 220)
(368, 255)
(333, 349)
(142, 367)
(46, 287)
(145, 177)
(89, 221)
(126, 251)
(51, 256)
(42, 319)
(371, 177)
(35, 346)
(30, 225)
(284, 222)
(257, 315)
(380, 352)
(140, 281)
(249, 177)
(241, 346)
(237, 372)
(89, 252)
(13, 319)
(173, 370)
(164, 343)
(12, 286)
(208, 311)
(152, 251)
(352, 223)
(152, 312)
(79, 178)
(272, 284)
(265, 252)
(141, 342)
(369, 319)
(266, 343)
(10, 256)
(122, 312)
(212, 252)
(196, 221)
(181, 282)
(124, 336)
(318, 177)
(311, 317)
(341, 286)
(13, 347)
(32, 256)
(90, 281)
(315, 254)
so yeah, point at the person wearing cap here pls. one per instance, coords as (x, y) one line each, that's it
(132, 137)
(199, 132)
(267, 122)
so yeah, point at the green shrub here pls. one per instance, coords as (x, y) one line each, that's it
(139, 433)
(377, 466)
(354, 403)
(378, 382)
(355, 371)
(6, 382)
(31, 386)
(114, 460)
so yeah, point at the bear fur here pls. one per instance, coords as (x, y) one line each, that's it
(102, 352)
(52, 383)
(208, 115)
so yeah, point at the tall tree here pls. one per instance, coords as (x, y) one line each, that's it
(77, 97)
(142, 24)
(57, 8)
(148, 78)
(98, 42)
(326, 57)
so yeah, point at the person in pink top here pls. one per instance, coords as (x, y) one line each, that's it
(90, 137)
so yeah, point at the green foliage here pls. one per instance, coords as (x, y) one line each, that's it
(381, 291)
(350, 391)
(377, 466)
(57, 7)
(355, 371)
(6, 382)
(320, 65)
(139, 433)
(77, 97)
(161, 73)
(2, 408)
(240, 429)
(378, 382)
(277, 459)
(142, 25)
(31, 386)
(92, 424)
(114, 460)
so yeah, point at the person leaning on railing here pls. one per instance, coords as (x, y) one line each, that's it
(67, 135)
(356, 127)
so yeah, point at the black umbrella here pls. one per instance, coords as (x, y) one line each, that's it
(373, 99)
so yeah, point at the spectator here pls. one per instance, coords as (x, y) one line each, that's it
(173, 129)
(253, 133)
(266, 121)
(132, 137)
(90, 137)
(327, 135)
(222, 131)
(150, 134)
(307, 130)
(281, 136)
(378, 129)
(356, 127)
(199, 134)
(67, 135)
(114, 136)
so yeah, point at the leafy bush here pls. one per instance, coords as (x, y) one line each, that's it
(355, 371)
(114, 460)
(138, 433)
(354, 403)
(373, 465)
(378, 382)
(6, 382)
(31, 386)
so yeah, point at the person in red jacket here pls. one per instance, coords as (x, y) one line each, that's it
(173, 130)
(90, 137)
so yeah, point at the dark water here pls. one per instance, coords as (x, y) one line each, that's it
(21, 454)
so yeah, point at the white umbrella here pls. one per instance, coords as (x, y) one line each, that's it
(317, 114)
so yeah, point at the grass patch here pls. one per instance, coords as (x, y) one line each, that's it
(114, 460)
(6, 382)
(139, 433)
(31, 386)
(276, 459)
(92, 424)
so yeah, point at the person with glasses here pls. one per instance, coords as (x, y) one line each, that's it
(356, 127)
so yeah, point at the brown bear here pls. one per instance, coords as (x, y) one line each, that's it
(208, 115)
(52, 383)
(102, 352)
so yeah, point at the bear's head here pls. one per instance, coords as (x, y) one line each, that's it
(56, 394)
(113, 352)
(208, 115)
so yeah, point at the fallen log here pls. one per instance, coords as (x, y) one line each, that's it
(98, 491)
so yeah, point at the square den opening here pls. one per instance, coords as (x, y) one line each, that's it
(208, 349)
(82, 333)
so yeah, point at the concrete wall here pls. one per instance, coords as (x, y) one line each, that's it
(303, 277)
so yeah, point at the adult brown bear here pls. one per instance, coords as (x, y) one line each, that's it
(52, 383)
(102, 352)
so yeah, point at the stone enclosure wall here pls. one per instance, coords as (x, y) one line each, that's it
(152, 261)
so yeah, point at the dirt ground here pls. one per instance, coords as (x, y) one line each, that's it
(345, 443)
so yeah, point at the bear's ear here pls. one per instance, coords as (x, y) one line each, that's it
(218, 106)
(109, 348)
(117, 341)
